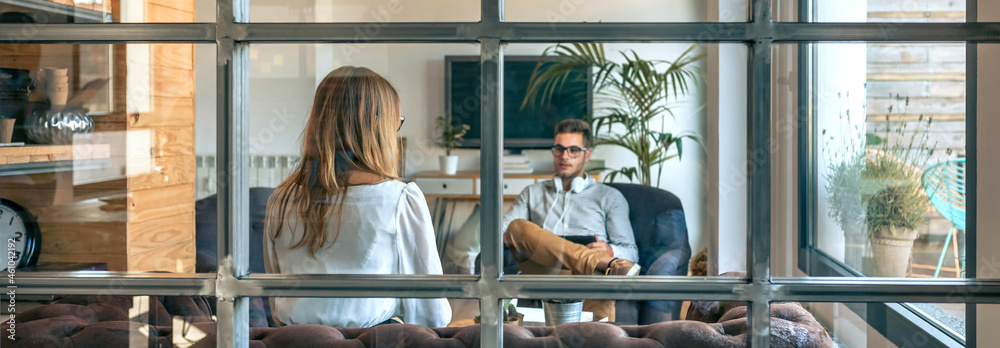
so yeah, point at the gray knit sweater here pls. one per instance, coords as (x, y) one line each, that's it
(598, 209)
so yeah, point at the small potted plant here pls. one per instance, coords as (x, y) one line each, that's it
(893, 215)
(510, 314)
(894, 198)
(450, 137)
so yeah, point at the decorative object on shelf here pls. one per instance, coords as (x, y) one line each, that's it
(450, 137)
(637, 91)
(6, 129)
(56, 82)
(558, 312)
(20, 230)
(58, 124)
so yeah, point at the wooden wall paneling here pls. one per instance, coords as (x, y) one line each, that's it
(82, 232)
(178, 258)
(160, 202)
(173, 82)
(167, 111)
(171, 141)
(156, 13)
(146, 236)
(166, 171)
(173, 55)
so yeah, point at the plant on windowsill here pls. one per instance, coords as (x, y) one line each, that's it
(637, 93)
(450, 136)
(874, 192)
(897, 204)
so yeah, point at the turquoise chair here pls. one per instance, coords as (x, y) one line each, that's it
(944, 183)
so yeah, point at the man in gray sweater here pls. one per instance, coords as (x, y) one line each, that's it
(572, 205)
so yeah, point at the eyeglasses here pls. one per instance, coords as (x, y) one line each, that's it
(574, 151)
(401, 120)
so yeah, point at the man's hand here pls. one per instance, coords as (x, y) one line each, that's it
(601, 246)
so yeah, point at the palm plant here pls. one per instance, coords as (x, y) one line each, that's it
(637, 93)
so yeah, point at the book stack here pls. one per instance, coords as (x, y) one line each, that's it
(516, 164)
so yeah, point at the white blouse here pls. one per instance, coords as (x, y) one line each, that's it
(376, 219)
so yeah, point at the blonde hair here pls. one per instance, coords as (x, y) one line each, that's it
(352, 127)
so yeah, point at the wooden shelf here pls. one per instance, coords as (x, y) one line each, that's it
(52, 153)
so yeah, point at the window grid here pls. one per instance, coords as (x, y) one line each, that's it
(231, 33)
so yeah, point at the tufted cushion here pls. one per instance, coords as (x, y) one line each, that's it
(102, 321)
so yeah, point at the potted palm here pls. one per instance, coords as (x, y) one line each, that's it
(635, 92)
(450, 137)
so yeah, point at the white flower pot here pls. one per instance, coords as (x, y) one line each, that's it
(449, 164)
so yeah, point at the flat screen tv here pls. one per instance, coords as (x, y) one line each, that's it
(527, 128)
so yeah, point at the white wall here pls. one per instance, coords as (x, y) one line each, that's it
(726, 177)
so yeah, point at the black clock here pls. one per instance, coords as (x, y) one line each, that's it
(20, 234)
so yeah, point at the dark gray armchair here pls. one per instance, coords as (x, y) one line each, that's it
(661, 234)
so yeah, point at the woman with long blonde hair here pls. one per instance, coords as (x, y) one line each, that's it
(344, 209)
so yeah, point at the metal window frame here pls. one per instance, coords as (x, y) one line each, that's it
(232, 285)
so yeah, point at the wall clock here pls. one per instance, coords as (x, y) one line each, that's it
(20, 235)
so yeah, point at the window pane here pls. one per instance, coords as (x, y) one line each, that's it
(886, 11)
(32, 13)
(110, 321)
(319, 322)
(889, 130)
(610, 323)
(283, 82)
(103, 161)
(562, 188)
(888, 324)
(364, 11)
(553, 11)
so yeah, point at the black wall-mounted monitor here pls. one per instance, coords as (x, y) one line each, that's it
(528, 128)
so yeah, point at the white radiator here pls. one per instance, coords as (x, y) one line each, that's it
(265, 171)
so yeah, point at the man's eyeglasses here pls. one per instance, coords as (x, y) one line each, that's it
(574, 151)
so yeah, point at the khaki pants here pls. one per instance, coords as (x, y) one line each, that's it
(538, 251)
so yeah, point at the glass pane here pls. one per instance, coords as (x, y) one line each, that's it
(109, 321)
(576, 196)
(534, 313)
(364, 11)
(889, 130)
(554, 11)
(101, 171)
(284, 151)
(39, 12)
(888, 11)
(358, 316)
(883, 324)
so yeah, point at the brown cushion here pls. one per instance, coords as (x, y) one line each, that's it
(93, 321)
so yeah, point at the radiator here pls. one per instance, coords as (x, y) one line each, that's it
(265, 171)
